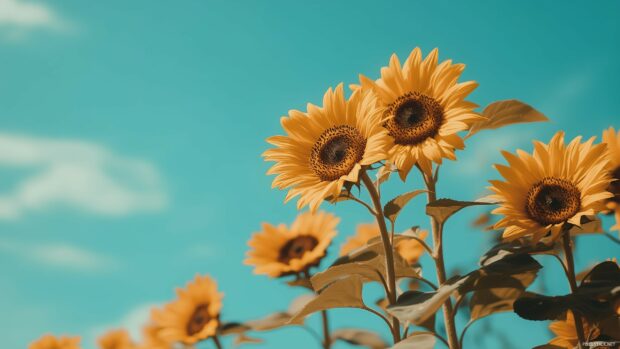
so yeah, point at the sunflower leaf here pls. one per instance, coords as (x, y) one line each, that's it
(394, 206)
(416, 341)
(442, 209)
(503, 113)
(343, 293)
(359, 337)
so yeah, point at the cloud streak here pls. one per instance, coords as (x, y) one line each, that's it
(18, 18)
(78, 175)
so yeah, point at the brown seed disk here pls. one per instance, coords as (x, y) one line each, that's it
(336, 152)
(199, 319)
(297, 247)
(553, 201)
(413, 118)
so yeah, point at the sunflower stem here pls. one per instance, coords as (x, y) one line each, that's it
(387, 245)
(437, 230)
(327, 341)
(217, 342)
(570, 275)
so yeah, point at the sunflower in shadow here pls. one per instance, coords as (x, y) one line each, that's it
(559, 183)
(280, 250)
(410, 249)
(611, 139)
(424, 108)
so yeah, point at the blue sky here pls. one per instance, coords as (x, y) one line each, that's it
(131, 134)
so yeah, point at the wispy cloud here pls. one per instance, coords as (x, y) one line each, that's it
(77, 174)
(19, 18)
(59, 256)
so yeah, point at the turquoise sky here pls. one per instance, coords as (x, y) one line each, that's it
(131, 134)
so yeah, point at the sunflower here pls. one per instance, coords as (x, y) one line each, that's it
(566, 333)
(557, 184)
(424, 109)
(410, 249)
(612, 140)
(279, 250)
(116, 339)
(327, 146)
(49, 341)
(193, 316)
(152, 338)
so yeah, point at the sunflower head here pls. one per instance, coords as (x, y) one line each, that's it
(424, 109)
(611, 139)
(280, 250)
(327, 146)
(193, 316)
(410, 249)
(557, 184)
(152, 338)
(116, 339)
(49, 341)
(566, 333)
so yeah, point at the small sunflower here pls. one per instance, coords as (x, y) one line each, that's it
(557, 184)
(116, 339)
(424, 109)
(193, 316)
(410, 249)
(152, 338)
(327, 146)
(49, 341)
(279, 250)
(612, 140)
(566, 332)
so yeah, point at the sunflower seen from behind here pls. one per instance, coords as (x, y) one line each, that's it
(193, 316)
(410, 249)
(280, 250)
(116, 339)
(424, 108)
(49, 341)
(611, 139)
(566, 332)
(559, 183)
(327, 146)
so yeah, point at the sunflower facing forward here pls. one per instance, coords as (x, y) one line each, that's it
(116, 339)
(424, 109)
(612, 140)
(193, 316)
(327, 146)
(279, 251)
(51, 342)
(410, 250)
(557, 184)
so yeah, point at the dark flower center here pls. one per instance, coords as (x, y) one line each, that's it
(614, 186)
(199, 319)
(553, 201)
(297, 247)
(336, 152)
(413, 118)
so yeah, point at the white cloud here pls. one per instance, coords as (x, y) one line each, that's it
(76, 174)
(18, 18)
(59, 255)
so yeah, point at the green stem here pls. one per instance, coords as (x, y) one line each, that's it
(570, 275)
(437, 231)
(387, 245)
(327, 341)
(216, 340)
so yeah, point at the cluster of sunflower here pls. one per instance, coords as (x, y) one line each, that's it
(409, 120)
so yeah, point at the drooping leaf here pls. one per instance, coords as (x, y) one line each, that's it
(493, 300)
(229, 328)
(245, 339)
(416, 341)
(417, 307)
(343, 293)
(280, 319)
(605, 274)
(502, 113)
(538, 307)
(394, 206)
(442, 209)
(503, 249)
(359, 337)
